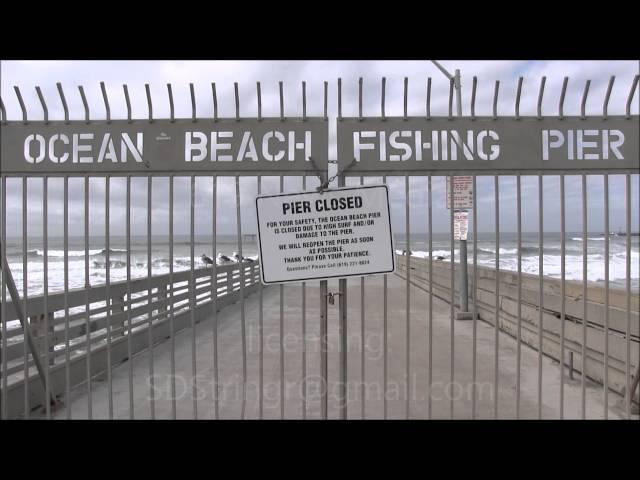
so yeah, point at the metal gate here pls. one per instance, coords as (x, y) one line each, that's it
(122, 323)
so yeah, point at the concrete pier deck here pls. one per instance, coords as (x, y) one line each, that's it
(448, 399)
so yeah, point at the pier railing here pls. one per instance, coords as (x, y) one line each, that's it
(146, 311)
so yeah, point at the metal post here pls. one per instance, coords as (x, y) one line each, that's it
(323, 349)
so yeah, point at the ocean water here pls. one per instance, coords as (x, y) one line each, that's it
(228, 245)
(530, 250)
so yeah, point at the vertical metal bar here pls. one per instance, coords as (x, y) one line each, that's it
(242, 313)
(150, 301)
(452, 286)
(281, 290)
(406, 94)
(3, 316)
(259, 94)
(214, 292)
(149, 103)
(584, 99)
(342, 309)
(430, 326)
(323, 349)
(106, 102)
(495, 99)
(86, 105)
(45, 298)
(326, 99)
(496, 365)
(171, 305)
(475, 302)
(606, 296)
(385, 335)
(541, 288)
(25, 297)
(339, 99)
(87, 287)
(129, 331)
(605, 105)
(628, 391)
(192, 298)
(107, 290)
(171, 111)
(408, 296)
(362, 341)
(3, 112)
(451, 86)
(584, 296)
(44, 105)
(473, 98)
(128, 102)
(382, 98)
(22, 107)
(215, 103)
(64, 102)
(261, 328)
(67, 357)
(429, 98)
(518, 94)
(562, 293)
(304, 331)
(540, 95)
(631, 92)
(562, 95)
(237, 95)
(193, 102)
(360, 98)
(519, 335)
(280, 85)
(304, 100)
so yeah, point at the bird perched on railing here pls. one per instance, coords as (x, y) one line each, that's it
(244, 259)
(224, 258)
(206, 260)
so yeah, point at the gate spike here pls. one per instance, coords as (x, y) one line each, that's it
(540, 95)
(64, 102)
(25, 120)
(304, 100)
(3, 111)
(150, 105)
(106, 101)
(215, 101)
(280, 85)
(382, 97)
(360, 99)
(235, 86)
(193, 102)
(473, 98)
(428, 98)
(406, 94)
(584, 98)
(339, 99)
(451, 84)
(605, 106)
(126, 99)
(171, 112)
(44, 105)
(259, 96)
(562, 94)
(518, 93)
(631, 92)
(84, 102)
(495, 100)
(326, 99)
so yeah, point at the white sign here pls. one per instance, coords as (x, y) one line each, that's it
(462, 192)
(337, 233)
(460, 225)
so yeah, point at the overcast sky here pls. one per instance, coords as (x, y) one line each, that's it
(89, 74)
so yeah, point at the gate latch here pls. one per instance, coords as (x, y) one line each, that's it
(331, 297)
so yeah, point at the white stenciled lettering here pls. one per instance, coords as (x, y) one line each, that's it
(247, 148)
(52, 148)
(358, 146)
(77, 148)
(494, 147)
(215, 147)
(107, 150)
(41, 148)
(266, 153)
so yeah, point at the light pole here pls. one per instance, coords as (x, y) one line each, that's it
(464, 313)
